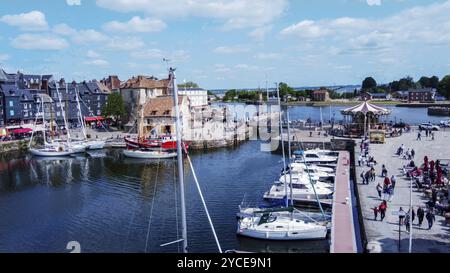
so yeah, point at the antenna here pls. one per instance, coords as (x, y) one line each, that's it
(167, 61)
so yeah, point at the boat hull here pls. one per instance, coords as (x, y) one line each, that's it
(148, 155)
(44, 153)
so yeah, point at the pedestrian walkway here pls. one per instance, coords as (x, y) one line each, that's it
(384, 236)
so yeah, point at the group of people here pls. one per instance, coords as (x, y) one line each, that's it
(407, 218)
(428, 134)
(404, 153)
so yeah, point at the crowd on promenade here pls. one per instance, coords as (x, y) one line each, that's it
(430, 178)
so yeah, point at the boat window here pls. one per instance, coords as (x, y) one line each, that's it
(280, 227)
(299, 186)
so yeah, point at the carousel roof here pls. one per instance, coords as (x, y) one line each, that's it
(365, 108)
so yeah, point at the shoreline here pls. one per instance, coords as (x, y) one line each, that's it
(349, 103)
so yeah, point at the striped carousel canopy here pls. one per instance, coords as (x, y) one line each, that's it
(366, 108)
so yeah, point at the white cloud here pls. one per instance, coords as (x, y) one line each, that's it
(136, 24)
(374, 2)
(231, 49)
(84, 36)
(151, 53)
(97, 62)
(125, 43)
(415, 26)
(31, 21)
(268, 56)
(92, 54)
(234, 13)
(4, 57)
(73, 2)
(261, 32)
(39, 42)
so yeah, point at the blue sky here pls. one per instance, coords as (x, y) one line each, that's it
(228, 43)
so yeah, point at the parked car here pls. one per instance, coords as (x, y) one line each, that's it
(428, 126)
(445, 123)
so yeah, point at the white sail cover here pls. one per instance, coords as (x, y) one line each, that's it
(365, 108)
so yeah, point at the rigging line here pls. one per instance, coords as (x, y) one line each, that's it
(203, 200)
(153, 204)
(92, 113)
(176, 201)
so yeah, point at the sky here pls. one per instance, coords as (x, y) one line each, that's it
(223, 44)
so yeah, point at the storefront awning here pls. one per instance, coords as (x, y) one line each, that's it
(92, 119)
(22, 131)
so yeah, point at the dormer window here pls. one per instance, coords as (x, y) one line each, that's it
(154, 113)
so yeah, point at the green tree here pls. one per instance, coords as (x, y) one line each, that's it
(444, 87)
(285, 90)
(425, 82)
(115, 107)
(369, 83)
(189, 84)
(434, 82)
(406, 83)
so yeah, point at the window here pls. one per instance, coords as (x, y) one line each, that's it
(99, 112)
(11, 112)
(11, 103)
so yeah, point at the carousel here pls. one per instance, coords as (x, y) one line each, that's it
(364, 120)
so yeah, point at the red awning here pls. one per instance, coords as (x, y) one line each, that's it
(91, 119)
(22, 131)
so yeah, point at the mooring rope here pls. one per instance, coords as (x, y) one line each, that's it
(153, 204)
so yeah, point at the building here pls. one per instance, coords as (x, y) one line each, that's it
(159, 115)
(321, 95)
(138, 91)
(112, 83)
(198, 97)
(402, 95)
(2, 122)
(380, 96)
(421, 95)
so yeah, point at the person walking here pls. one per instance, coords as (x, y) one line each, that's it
(360, 158)
(363, 178)
(406, 222)
(367, 177)
(379, 190)
(383, 171)
(413, 153)
(372, 174)
(393, 181)
(383, 208)
(413, 215)
(420, 215)
(430, 219)
(419, 136)
(401, 216)
(375, 213)
(432, 135)
(390, 192)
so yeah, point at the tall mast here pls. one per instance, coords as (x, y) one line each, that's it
(290, 156)
(282, 146)
(180, 160)
(80, 115)
(63, 114)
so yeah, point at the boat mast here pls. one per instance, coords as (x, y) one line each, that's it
(80, 115)
(290, 156)
(180, 159)
(282, 146)
(63, 113)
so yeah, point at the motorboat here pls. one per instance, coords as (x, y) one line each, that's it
(269, 226)
(148, 154)
(299, 192)
(303, 166)
(314, 157)
(303, 179)
(312, 171)
(290, 212)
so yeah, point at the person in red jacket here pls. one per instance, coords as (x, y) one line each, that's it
(382, 208)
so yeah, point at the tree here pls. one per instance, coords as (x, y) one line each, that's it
(285, 90)
(188, 85)
(434, 82)
(369, 83)
(425, 82)
(115, 107)
(406, 83)
(444, 87)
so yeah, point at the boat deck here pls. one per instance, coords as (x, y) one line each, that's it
(343, 236)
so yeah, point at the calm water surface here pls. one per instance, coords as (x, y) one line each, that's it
(109, 203)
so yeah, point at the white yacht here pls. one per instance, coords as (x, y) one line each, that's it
(268, 226)
(315, 172)
(303, 178)
(303, 166)
(314, 157)
(299, 192)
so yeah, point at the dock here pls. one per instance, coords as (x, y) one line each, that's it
(343, 236)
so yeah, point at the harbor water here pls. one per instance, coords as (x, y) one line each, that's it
(109, 203)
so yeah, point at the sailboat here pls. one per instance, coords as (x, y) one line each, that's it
(268, 225)
(50, 149)
(89, 144)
